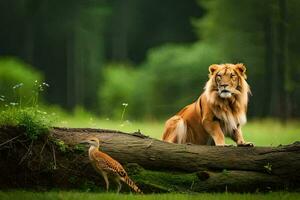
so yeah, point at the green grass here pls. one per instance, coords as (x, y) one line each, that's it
(103, 196)
(272, 132)
(34, 121)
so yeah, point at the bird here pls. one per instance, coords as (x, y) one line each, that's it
(107, 166)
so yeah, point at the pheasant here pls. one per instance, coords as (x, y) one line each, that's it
(107, 166)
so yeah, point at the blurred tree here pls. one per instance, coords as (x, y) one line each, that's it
(62, 38)
(293, 71)
(120, 86)
(69, 40)
(177, 75)
(135, 26)
(171, 77)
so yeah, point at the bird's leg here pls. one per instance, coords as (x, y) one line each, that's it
(106, 180)
(119, 184)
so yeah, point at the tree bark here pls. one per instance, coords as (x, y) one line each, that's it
(57, 161)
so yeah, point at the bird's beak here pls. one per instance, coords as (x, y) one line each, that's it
(84, 142)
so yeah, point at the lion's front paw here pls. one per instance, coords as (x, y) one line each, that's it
(246, 144)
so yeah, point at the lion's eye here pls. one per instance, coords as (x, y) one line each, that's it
(233, 75)
(218, 77)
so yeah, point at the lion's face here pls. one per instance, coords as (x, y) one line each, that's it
(227, 78)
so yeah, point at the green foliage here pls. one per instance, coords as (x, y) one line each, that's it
(61, 145)
(21, 87)
(122, 85)
(79, 148)
(225, 172)
(19, 82)
(268, 168)
(177, 75)
(160, 181)
(34, 121)
(88, 186)
(172, 76)
(64, 148)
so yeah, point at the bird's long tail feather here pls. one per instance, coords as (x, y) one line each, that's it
(132, 185)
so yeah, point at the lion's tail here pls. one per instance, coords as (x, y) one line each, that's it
(175, 130)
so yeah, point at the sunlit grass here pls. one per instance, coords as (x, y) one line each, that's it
(260, 132)
(267, 132)
(151, 128)
(103, 196)
(272, 132)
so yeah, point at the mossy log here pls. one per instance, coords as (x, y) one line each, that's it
(57, 161)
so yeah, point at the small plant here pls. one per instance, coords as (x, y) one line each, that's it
(123, 112)
(88, 186)
(61, 145)
(34, 121)
(17, 80)
(124, 109)
(52, 166)
(73, 179)
(268, 168)
(79, 148)
(39, 87)
(225, 172)
(17, 89)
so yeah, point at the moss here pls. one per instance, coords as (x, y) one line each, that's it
(61, 145)
(160, 181)
(34, 121)
(71, 149)
(79, 148)
(133, 168)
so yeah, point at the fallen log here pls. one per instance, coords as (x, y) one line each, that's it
(56, 160)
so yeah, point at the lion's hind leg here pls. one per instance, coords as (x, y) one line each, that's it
(175, 130)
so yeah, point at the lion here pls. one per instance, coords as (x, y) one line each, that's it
(219, 111)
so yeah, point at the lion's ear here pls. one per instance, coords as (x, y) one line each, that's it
(213, 68)
(242, 69)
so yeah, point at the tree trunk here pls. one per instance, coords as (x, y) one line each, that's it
(57, 161)
(283, 59)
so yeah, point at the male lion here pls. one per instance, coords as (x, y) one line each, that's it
(220, 110)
